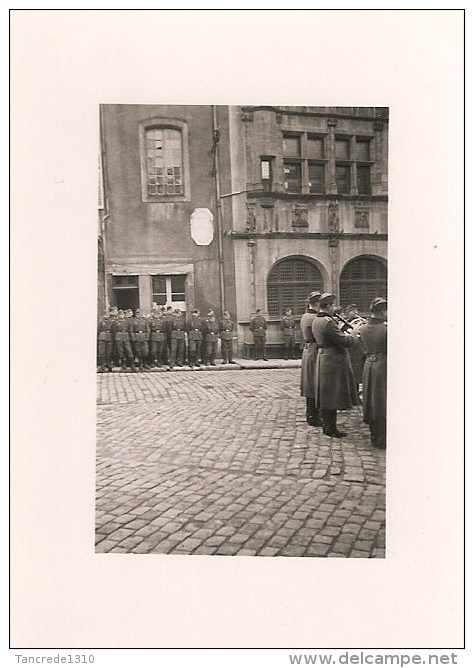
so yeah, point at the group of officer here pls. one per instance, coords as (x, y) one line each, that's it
(141, 342)
(327, 375)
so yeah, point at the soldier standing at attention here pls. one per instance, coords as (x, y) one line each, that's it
(374, 378)
(113, 317)
(121, 331)
(210, 328)
(168, 318)
(308, 360)
(258, 327)
(288, 326)
(334, 384)
(226, 328)
(178, 334)
(194, 329)
(157, 337)
(105, 342)
(140, 330)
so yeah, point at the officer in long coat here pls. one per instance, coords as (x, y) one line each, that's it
(194, 329)
(308, 360)
(356, 352)
(258, 327)
(140, 333)
(374, 376)
(122, 338)
(177, 326)
(210, 329)
(105, 342)
(288, 327)
(226, 328)
(334, 384)
(157, 337)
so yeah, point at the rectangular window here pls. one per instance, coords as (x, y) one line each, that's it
(164, 162)
(315, 148)
(363, 179)
(170, 290)
(291, 146)
(342, 149)
(316, 177)
(266, 170)
(343, 179)
(363, 150)
(292, 177)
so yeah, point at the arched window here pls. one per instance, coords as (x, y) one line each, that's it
(164, 157)
(289, 284)
(361, 280)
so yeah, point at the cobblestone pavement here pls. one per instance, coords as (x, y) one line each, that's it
(225, 464)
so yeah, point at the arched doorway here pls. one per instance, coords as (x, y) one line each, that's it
(362, 279)
(289, 283)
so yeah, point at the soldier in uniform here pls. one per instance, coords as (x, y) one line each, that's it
(105, 342)
(140, 333)
(121, 332)
(288, 326)
(258, 327)
(113, 317)
(210, 328)
(356, 352)
(168, 316)
(374, 378)
(226, 328)
(178, 338)
(194, 329)
(157, 337)
(334, 384)
(308, 360)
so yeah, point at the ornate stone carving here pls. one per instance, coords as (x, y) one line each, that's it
(299, 216)
(332, 122)
(333, 243)
(361, 215)
(251, 218)
(333, 216)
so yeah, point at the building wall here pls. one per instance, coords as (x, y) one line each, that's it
(146, 238)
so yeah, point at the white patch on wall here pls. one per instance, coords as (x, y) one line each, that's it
(202, 227)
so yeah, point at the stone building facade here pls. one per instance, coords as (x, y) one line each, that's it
(298, 199)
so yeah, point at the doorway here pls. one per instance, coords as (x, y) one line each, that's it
(126, 293)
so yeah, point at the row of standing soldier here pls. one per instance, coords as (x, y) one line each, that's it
(327, 377)
(160, 339)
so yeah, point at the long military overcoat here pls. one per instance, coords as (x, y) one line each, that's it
(374, 376)
(334, 384)
(309, 354)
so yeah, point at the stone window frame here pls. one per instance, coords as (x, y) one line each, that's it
(303, 159)
(160, 123)
(352, 161)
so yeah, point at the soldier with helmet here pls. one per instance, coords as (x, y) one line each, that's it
(258, 327)
(177, 328)
(308, 360)
(140, 333)
(121, 332)
(288, 326)
(105, 342)
(334, 384)
(210, 329)
(157, 337)
(374, 378)
(194, 329)
(226, 327)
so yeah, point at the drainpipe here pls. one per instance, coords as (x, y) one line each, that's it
(105, 215)
(216, 171)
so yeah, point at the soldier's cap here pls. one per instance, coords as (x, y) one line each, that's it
(259, 310)
(138, 310)
(195, 310)
(314, 296)
(210, 312)
(351, 307)
(378, 304)
(121, 311)
(327, 298)
(226, 313)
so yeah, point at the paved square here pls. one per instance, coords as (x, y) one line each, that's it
(224, 463)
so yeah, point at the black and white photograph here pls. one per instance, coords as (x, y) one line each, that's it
(216, 443)
(242, 330)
